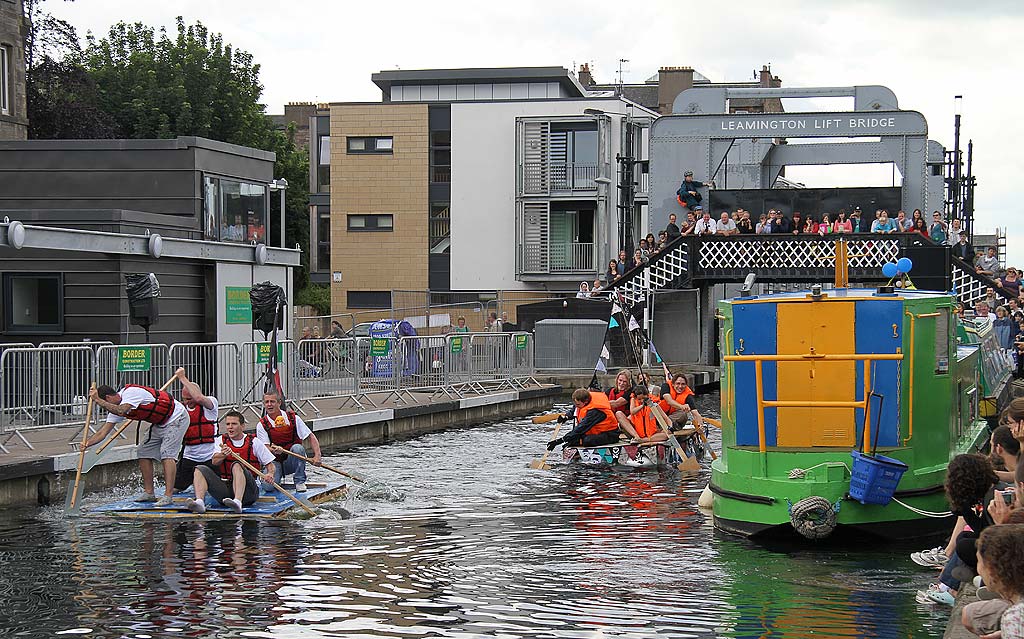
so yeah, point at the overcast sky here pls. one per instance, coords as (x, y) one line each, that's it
(925, 51)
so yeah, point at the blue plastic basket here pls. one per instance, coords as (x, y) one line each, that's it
(873, 479)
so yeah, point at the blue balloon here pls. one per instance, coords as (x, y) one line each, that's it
(889, 270)
(904, 265)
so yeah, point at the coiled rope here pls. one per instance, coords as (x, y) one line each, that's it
(813, 517)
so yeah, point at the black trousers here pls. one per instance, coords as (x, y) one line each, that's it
(601, 439)
(183, 476)
(220, 489)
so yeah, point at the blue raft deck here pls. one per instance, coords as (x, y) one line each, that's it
(272, 505)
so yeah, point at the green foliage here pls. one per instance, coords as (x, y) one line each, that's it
(317, 296)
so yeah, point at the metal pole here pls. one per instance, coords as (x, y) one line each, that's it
(956, 161)
(282, 216)
(969, 194)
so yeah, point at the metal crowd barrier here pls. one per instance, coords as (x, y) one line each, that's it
(48, 386)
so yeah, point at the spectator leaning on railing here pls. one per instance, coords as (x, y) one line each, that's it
(726, 226)
(883, 224)
(705, 225)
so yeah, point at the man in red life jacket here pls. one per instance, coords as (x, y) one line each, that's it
(201, 433)
(168, 422)
(595, 421)
(282, 431)
(228, 481)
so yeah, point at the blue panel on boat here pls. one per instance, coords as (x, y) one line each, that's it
(756, 326)
(874, 334)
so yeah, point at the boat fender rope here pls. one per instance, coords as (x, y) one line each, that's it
(813, 517)
(799, 473)
(926, 513)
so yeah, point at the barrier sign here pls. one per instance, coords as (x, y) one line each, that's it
(263, 352)
(456, 345)
(133, 358)
(380, 346)
(521, 342)
(237, 306)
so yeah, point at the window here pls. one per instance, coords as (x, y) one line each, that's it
(383, 145)
(5, 80)
(34, 303)
(369, 299)
(440, 228)
(323, 169)
(323, 238)
(371, 222)
(236, 209)
(441, 157)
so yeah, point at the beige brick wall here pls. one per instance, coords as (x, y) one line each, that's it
(368, 183)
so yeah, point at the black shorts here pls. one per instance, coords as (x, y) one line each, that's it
(183, 476)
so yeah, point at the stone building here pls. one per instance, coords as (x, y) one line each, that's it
(13, 113)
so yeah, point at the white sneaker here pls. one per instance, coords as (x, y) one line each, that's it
(164, 502)
(145, 498)
(197, 507)
(233, 504)
(300, 488)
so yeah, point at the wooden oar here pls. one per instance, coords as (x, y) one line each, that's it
(322, 465)
(544, 419)
(254, 470)
(704, 438)
(81, 453)
(541, 464)
(688, 464)
(714, 422)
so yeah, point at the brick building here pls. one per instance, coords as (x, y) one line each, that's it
(13, 112)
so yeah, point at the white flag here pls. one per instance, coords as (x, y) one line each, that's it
(633, 324)
(604, 352)
(616, 308)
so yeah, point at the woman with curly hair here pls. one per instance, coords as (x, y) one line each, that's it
(970, 482)
(1000, 559)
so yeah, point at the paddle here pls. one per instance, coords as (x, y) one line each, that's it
(254, 470)
(688, 464)
(714, 422)
(544, 419)
(94, 456)
(541, 464)
(322, 465)
(72, 504)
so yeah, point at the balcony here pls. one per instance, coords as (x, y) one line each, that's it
(537, 258)
(643, 179)
(573, 177)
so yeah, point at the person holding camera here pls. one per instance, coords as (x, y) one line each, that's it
(705, 225)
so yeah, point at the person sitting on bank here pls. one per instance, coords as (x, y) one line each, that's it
(227, 481)
(679, 398)
(168, 421)
(641, 423)
(283, 431)
(201, 432)
(595, 421)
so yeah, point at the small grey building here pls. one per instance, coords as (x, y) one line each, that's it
(91, 211)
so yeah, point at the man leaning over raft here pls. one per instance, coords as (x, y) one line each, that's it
(596, 424)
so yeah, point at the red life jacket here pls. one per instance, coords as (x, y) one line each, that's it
(643, 420)
(599, 401)
(244, 451)
(156, 412)
(200, 429)
(284, 436)
(615, 393)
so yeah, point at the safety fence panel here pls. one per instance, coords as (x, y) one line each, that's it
(326, 368)
(490, 356)
(458, 357)
(425, 357)
(383, 363)
(142, 364)
(215, 367)
(254, 373)
(520, 361)
(42, 387)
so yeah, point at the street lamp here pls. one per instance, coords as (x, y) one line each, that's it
(282, 186)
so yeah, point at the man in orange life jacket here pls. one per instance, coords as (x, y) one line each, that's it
(201, 433)
(168, 422)
(595, 421)
(228, 481)
(678, 397)
(282, 431)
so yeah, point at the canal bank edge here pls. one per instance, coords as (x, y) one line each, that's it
(20, 481)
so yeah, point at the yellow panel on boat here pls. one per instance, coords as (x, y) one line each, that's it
(828, 329)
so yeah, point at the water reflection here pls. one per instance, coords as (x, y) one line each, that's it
(475, 545)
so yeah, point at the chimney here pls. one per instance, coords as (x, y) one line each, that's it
(671, 82)
(769, 81)
(584, 76)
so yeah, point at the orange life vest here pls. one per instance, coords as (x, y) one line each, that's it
(599, 401)
(643, 420)
(200, 429)
(679, 397)
(284, 436)
(155, 412)
(244, 451)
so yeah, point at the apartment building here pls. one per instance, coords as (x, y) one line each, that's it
(13, 112)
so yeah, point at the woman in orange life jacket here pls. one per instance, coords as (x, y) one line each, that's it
(232, 484)
(595, 421)
(678, 396)
(619, 397)
(641, 423)
(202, 431)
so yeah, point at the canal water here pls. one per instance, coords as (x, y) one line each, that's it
(454, 537)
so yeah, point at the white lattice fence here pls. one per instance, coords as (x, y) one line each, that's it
(658, 274)
(970, 288)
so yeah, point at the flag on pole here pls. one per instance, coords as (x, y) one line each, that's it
(633, 325)
(612, 323)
